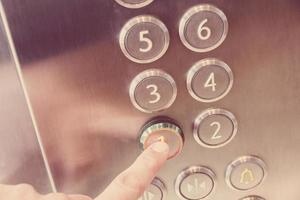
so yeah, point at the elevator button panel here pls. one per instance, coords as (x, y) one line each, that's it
(195, 182)
(203, 28)
(153, 90)
(164, 130)
(215, 128)
(144, 39)
(209, 80)
(246, 173)
(155, 191)
(134, 3)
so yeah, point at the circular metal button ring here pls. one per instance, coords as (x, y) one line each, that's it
(163, 129)
(221, 113)
(148, 31)
(207, 67)
(194, 188)
(252, 198)
(203, 19)
(155, 191)
(246, 173)
(159, 86)
(134, 3)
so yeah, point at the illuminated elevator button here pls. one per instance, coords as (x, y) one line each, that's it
(195, 183)
(155, 191)
(163, 130)
(134, 3)
(246, 173)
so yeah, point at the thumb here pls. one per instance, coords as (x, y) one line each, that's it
(131, 183)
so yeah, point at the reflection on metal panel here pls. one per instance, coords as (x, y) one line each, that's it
(21, 160)
(78, 81)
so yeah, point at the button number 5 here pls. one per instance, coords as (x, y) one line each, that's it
(148, 41)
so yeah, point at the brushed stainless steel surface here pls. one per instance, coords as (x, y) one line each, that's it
(21, 159)
(78, 80)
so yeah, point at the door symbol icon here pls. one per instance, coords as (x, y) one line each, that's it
(247, 177)
(196, 186)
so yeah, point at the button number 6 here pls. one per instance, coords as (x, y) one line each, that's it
(204, 29)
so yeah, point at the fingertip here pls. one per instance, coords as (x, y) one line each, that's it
(160, 147)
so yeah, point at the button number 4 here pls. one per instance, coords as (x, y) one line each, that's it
(210, 82)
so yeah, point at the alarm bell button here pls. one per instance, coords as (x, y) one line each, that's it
(165, 131)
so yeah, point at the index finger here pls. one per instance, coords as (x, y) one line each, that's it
(131, 183)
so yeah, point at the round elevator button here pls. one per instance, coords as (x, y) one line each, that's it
(155, 191)
(144, 39)
(195, 183)
(152, 90)
(134, 3)
(209, 80)
(246, 173)
(203, 28)
(163, 130)
(252, 198)
(215, 128)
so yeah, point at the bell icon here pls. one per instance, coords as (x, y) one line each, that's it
(247, 177)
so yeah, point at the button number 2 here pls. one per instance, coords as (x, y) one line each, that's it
(216, 134)
(154, 93)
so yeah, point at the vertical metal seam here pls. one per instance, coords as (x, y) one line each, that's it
(29, 106)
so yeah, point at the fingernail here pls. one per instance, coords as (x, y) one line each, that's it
(160, 147)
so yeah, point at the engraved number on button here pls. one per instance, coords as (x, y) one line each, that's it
(210, 82)
(148, 41)
(216, 134)
(204, 32)
(154, 93)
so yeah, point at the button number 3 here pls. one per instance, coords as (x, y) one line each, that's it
(148, 41)
(154, 93)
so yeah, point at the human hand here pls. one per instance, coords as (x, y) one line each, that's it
(129, 185)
